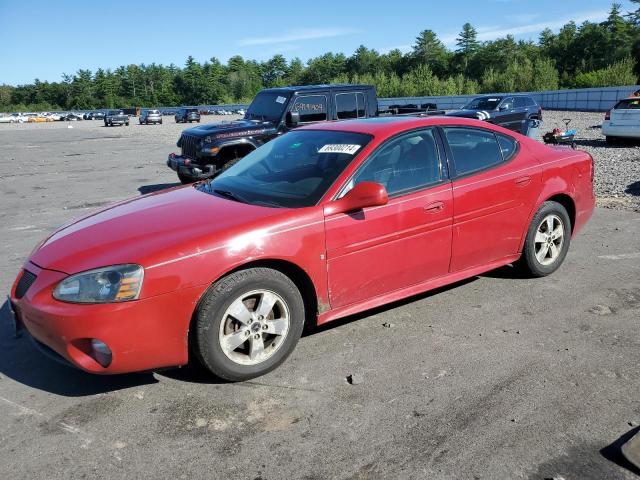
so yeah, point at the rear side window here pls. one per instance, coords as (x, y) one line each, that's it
(312, 108)
(508, 146)
(346, 105)
(473, 150)
(630, 104)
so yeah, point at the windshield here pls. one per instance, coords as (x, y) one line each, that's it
(267, 106)
(116, 112)
(293, 171)
(483, 103)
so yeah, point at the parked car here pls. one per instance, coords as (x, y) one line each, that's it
(115, 117)
(150, 116)
(71, 117)
(232, 268)
(623, 120)
(96, 115)
(508, 111)
(207, 149)
(185, 115)
(13, 118)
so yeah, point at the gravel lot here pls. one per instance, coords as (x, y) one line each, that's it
(494, 377)
(617, 180)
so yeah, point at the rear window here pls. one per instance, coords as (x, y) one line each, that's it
(628, 104)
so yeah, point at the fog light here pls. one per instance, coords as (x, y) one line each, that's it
(101, 352)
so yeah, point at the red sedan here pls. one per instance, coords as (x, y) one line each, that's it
(322, 222)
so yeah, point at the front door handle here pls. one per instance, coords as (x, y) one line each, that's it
(434, 207)
(523, 181)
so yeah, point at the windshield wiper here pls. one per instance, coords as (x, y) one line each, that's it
(230, 195)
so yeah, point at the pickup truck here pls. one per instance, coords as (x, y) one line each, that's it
(115, 117)
(208, 149)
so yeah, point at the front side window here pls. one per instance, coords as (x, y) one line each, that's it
(312, 108)
(520, 102)
(294, 170)
(507, 104)
(402, 165)
(473, 149)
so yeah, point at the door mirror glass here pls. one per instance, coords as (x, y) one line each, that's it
(364, 194)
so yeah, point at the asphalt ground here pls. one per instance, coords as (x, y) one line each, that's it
(494, 377)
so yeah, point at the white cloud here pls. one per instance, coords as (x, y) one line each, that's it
(594, 16)
(297, 36)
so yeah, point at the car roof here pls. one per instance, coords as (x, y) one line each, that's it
(388, 126)
(333, 86)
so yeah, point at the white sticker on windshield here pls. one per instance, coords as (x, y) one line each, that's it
(493, 100)
(280, 99)
(339, 148)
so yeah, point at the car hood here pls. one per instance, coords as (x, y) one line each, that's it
(226, 129)
(479, 114)
(147, 230)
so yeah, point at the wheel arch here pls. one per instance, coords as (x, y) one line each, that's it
(295, 273)
(568, 203)
(561, 197)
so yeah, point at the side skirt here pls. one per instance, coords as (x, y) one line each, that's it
(412, 290)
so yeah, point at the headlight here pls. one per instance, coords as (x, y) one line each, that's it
(117, 283)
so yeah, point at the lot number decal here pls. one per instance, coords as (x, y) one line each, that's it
(339, 148)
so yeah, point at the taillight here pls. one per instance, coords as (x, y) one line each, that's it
(607, 116)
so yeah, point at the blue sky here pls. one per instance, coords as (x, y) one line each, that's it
(46, 38)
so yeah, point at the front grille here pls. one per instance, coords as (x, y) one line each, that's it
(189, 146)
(26, 280)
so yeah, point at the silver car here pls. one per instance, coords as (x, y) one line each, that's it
(150, 116)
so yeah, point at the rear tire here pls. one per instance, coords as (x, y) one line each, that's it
(547, 241)
(247, 324)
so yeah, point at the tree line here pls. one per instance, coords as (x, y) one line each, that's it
(588, 55)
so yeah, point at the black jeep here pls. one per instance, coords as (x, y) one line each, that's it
(508, 111)
(207, 149)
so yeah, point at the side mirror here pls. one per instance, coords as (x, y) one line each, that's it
(293, 119)
(503, 108)
(365, 194)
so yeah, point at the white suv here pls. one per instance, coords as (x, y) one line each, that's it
(623, 120)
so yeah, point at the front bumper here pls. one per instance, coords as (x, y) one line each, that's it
(142, 335)
(185, 166)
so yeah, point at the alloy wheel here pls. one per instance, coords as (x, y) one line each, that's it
(254, 327)
(549, 239)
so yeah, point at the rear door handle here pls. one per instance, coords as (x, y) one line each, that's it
(434, 207)
(523, 181)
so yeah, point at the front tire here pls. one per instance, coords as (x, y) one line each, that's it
(547, 241)
(248, 323)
